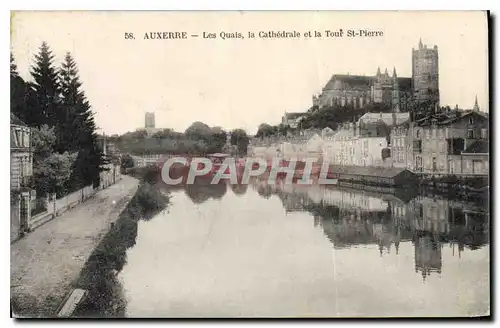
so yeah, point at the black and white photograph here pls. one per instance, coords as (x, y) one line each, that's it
(250, 164)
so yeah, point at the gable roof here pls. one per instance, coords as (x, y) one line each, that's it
(14, 120)
(448, 118)
(349, 80)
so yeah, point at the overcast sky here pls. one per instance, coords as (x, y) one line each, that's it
(242, 83)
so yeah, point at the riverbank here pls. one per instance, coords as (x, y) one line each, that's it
(46, 262)
(98, 276)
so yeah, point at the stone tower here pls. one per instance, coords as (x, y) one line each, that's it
(425, 74)
(149, 120)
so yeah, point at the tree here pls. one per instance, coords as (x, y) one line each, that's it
(76, 129)
(46, 87)
(127, 161)
(240, 139)
(71, 107)
(265, 130)
(18, 92)
(52, 175)
(198, 130)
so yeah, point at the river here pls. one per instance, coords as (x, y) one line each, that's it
(308, 251)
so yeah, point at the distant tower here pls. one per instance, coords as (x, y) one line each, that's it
(476, 106)
(425, 74)
(149, 120)
(395, 92)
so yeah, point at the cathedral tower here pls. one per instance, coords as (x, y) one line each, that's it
(425, 74)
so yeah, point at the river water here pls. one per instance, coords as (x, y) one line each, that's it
(308, 251)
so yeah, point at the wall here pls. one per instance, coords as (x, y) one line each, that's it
(56, 207)
(15, 221)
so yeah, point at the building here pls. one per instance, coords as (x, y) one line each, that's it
(21, 169)
(357, 144)
(445, 143)
(292, 119)
(387, 90)
(425, 74)
(149, 120)
(149, 124)
(358, 91)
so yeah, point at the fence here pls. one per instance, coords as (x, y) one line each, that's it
(51, 207)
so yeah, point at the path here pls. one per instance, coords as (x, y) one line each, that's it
(46, 261)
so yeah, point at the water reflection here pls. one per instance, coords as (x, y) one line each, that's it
(351, 217)
(293, 250)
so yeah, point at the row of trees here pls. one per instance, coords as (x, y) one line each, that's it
(198, 139)
(335, 115)
(67, 154)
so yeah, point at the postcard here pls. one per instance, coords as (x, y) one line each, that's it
(249, 164)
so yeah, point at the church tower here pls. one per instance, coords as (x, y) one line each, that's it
(425, 74)
(476, 106)
(395, 92)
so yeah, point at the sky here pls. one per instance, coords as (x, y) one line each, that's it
(240, 83)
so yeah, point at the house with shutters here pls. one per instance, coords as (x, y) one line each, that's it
(21, 169)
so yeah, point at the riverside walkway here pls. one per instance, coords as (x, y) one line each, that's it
(46, 262)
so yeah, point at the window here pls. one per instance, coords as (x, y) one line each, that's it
(434, 133)
(26, 139)
(484, 134)
(418, 134)
(427, 134)
(471, 120)
(470, 134)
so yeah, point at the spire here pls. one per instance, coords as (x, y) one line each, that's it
(420, 45)
(386, 73)
(378, 71)
(476, 106)
(394, 72)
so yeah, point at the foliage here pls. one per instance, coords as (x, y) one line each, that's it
(43, 141)
(46, 87)
(127, 161)
(56, 108)
(53, 173)
(240, 139)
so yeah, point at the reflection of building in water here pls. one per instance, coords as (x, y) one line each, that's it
(351, 217)
(427, 255)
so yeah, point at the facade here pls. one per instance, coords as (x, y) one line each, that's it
(389, 90)
(357, 145)
(21, 155)
(21, 164)
(358, 91)
(453, 143)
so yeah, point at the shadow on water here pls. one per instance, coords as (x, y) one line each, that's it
(98, 276)
(105, 297)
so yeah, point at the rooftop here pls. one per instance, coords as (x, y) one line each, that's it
(14, 120)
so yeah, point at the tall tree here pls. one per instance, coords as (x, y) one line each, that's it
(46, 87)
(17, 91)
(68, 116)
(76, 126)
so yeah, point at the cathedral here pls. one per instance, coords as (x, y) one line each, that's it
(388, 90)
